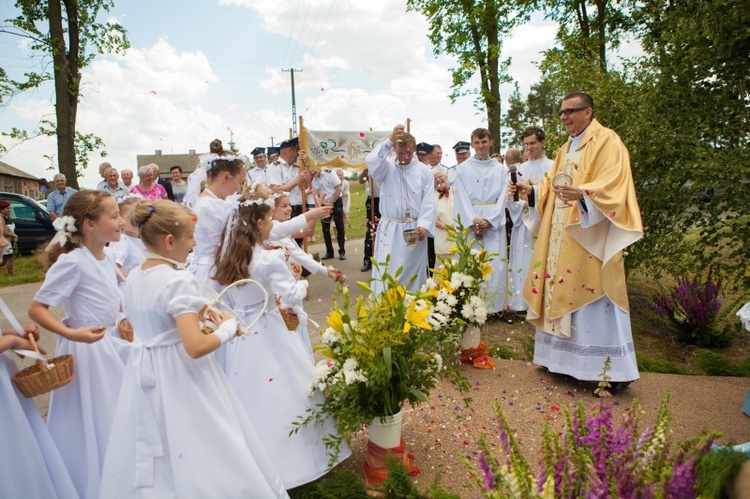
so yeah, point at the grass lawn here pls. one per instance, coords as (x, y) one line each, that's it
(26, 268)
(656, 344)
(355, 228)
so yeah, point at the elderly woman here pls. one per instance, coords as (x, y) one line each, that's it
(179, 186)
(443, 212)
(147, 187)
(112, 184)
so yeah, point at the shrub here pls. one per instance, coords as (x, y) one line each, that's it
(694, 308)
(594, 457)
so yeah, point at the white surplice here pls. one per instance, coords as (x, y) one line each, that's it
(402, 187)
(520, 251)
(481, 188)
(81, 412)
(270, 371)
(181, 432)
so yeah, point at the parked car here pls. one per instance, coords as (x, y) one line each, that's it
(33, 223)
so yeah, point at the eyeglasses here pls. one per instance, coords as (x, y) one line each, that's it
(570, 110)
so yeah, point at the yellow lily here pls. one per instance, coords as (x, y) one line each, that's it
(416, 318)
(395, 296)
(335, 321)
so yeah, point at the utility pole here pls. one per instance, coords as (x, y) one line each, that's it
(294, 103)
(271, 140)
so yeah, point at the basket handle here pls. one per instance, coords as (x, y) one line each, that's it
(245, 328)
(34, 354)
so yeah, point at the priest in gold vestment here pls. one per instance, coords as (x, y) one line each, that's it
(575, 286)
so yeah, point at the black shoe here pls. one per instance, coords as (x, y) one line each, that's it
(618, 387)
(327, 256)
(342, 255)
(366, 267)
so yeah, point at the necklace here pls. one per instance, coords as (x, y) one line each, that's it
(175, 263)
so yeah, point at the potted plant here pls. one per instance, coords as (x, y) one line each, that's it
(384, 351)
(456, 286)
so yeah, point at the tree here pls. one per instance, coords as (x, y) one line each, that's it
(72, 29)
(682, 110)
(472, 31)
(516, 119)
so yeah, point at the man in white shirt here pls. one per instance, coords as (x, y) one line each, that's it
(327, 186)
(462, 151)
(259, 173)
(285, 177)
(424, 151)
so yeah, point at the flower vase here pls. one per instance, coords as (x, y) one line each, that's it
(473, 351)
(384, 439)
(386, 433)
(471, 337)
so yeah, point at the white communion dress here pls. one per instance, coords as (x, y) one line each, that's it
(81, 412)
(30, 464)
(271, 372)
(181, 432)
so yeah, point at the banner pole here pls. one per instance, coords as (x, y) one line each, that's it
(303, 169)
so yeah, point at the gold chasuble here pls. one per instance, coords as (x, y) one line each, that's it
(574, 266)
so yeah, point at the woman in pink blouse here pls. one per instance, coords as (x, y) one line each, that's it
(147, 187)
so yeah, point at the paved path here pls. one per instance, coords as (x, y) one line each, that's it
(441, 430)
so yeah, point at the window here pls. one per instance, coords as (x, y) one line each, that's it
(21, 211)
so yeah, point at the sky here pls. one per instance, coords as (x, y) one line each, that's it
(200, 68)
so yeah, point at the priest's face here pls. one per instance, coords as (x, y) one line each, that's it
(575, 116)
(404, 153)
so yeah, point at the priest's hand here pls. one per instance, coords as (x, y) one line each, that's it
(568, 192)
(421, 233)
(398, 131)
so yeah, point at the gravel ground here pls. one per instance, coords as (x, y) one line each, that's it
(441, 431)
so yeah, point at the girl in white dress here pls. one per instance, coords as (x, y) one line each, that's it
(30, 465)
(223, 176)
(83, 279)
(271, 370)
(129, 251)
(181, 432)
(283, 233)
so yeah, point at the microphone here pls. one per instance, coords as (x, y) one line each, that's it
(514, 178)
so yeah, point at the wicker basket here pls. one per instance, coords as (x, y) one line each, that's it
(126, 329)
(37, 379)
(290, 318)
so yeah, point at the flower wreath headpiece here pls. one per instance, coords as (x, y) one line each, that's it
(65, 227)
(234, 217)
(208, 161)
(133, 195)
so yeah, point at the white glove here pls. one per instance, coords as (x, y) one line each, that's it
(227, 330)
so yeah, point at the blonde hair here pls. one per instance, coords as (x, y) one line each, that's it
(83, 205)
(157, 219)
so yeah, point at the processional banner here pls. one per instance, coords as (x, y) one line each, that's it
(336, 149)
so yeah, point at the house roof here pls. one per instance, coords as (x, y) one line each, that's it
(6, 169)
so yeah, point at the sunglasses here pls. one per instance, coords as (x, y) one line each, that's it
(570, 110)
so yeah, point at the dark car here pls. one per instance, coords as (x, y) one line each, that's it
(33, 223)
